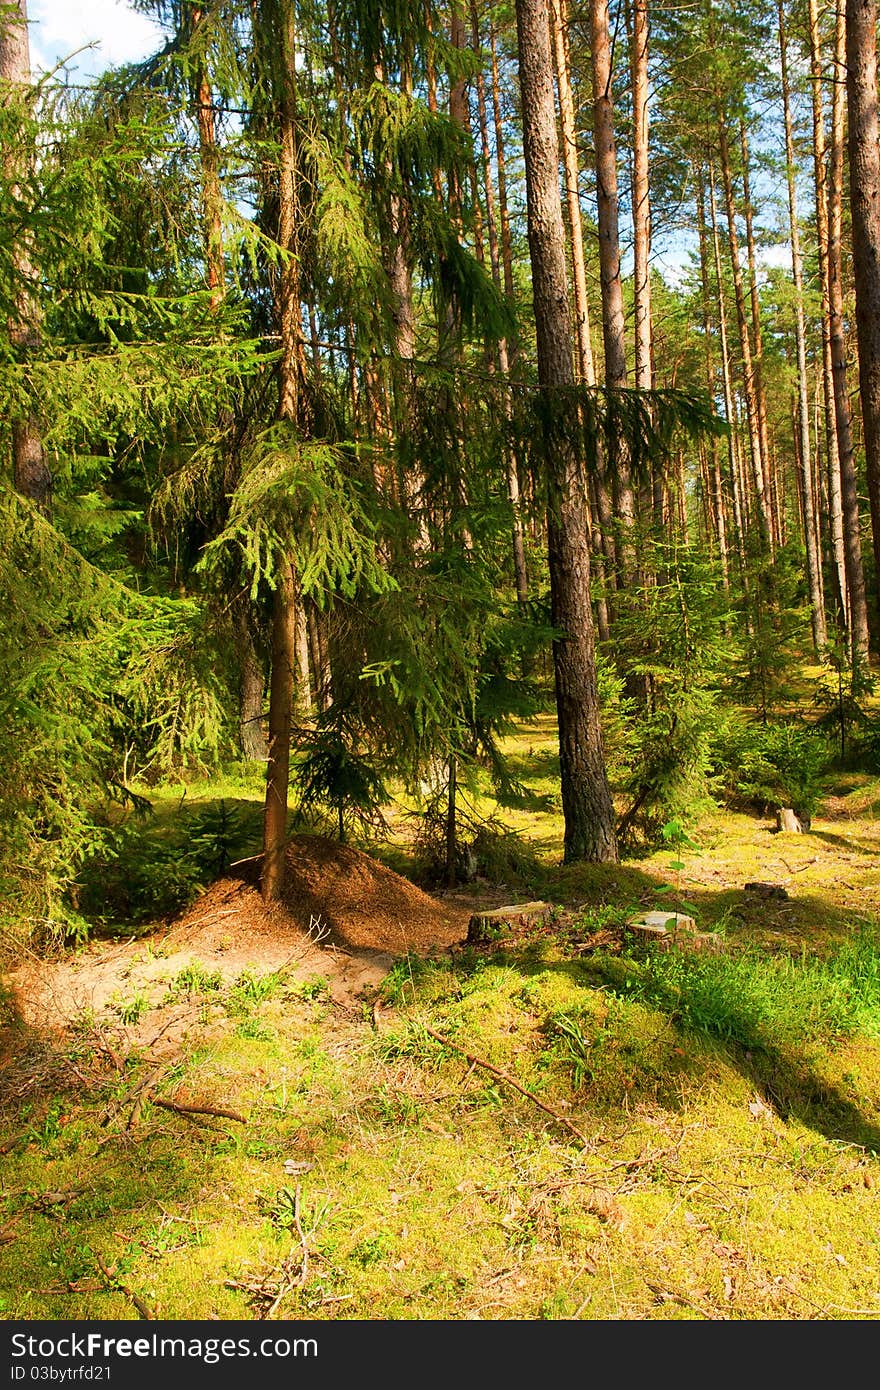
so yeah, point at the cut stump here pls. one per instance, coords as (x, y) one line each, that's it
(787, 821)
(491, 926)
(664, 930)
(770, 891)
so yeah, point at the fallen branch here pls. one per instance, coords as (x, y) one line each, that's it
(144, 1310)
(503, 1076)
(181, 1109)
(8, 1232)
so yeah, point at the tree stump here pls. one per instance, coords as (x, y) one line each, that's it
(787, 821)
(491, 926)
(665, 930)
(767, 890)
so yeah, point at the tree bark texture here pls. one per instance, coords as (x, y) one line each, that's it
(757, 340)
(832, 454)
(613, 322)
(290, 367)
(586, 365)
(586, 798)
(852, 526)
(864, 191)
(280, 711)
(513, 491)
(758, 475)
(30, 473)
(808, 494)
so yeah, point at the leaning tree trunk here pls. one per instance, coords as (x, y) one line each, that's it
(30, 475)
(586, 799)
(864, 192)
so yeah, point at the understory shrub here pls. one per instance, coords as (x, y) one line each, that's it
(150, 871)
(766, 766)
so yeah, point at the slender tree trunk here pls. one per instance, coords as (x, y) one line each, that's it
(212, 199)
(835, 497)
(501, 169)
(586, 799)
(811, 529)
(30, 474)
(303, 687)
(641, 204)
(739, 518)
(602, 542)
(517, 537)
(281, 683)
(641, 217)
(852, 528)
(757, 339)
(714, 482)
(280, 712)
(451, 827)
(585, 363)
(253, 742)
(864, 193)
(613, 322)
(758, 476)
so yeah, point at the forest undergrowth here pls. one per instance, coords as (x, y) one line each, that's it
(557, 1124)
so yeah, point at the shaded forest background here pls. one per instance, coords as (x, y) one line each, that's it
(347, 421)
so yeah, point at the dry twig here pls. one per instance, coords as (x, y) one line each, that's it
(509, 1080)
(143, 1308)
(181, 1109)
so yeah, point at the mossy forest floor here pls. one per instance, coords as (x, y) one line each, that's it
(707, 1142)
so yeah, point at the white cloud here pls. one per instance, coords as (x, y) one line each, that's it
(59, 28)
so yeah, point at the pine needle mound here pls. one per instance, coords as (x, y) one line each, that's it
(334, 896)
(364, 904)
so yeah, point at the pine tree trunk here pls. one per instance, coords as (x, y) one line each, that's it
(835, 495)
(253, 742)
(586, 365)
(714, 482)
(852, 529)
(864, 192)
(586, 799)
(758, 477)
(281, 682)
(641, 205)
(641, 218)
(451, 827)
(757, 340)
(280, 711)
(739, 519)
(810, 509)
(212, 200)
(613, 322)
(517, 538)
(501, 169)
(30, 474)
(602, 543)
(301, 654)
